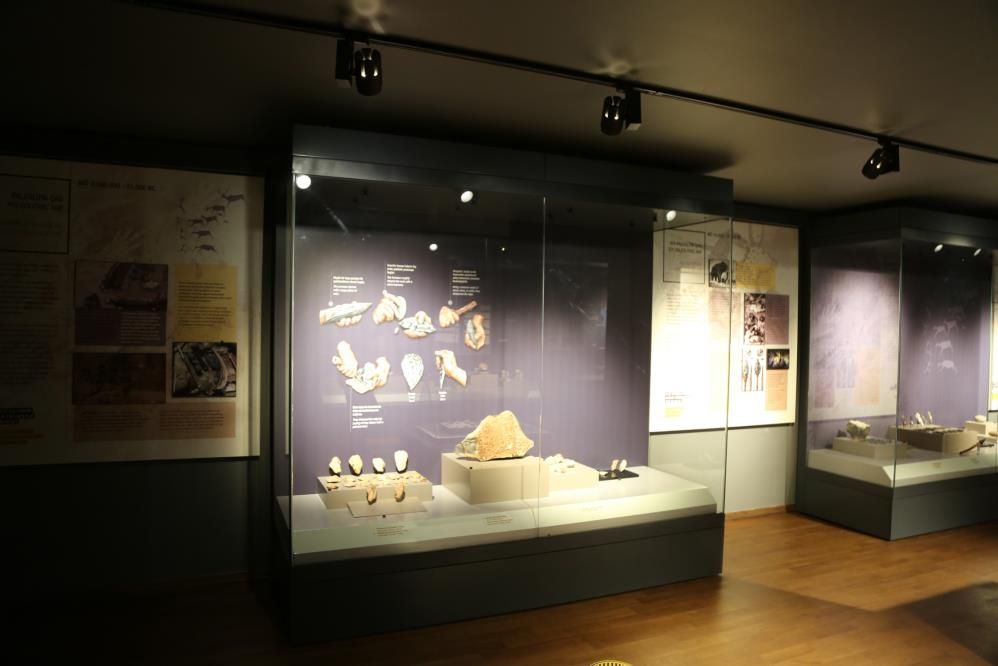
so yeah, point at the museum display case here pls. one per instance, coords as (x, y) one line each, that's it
(468, 364)
(900, 378)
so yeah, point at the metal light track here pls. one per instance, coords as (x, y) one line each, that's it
(511, 62)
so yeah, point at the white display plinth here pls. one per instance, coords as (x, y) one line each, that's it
(339, 498)
(876, 449)
(478, 482)
(574, 478)
(986, 428)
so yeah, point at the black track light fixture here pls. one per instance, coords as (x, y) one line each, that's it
(620, 113)
(885, 159)
(359, 67)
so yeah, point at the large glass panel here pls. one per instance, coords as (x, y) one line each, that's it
(416, 368)
(946, 316)
(853, 365)
(691, 283)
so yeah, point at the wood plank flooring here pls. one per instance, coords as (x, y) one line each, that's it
(794, 591)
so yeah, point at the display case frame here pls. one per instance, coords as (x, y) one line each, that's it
(893, 510)
(505, 576)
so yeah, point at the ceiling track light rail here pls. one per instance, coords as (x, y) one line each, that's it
(557, 71)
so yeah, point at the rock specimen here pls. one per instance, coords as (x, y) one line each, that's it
(980, 418)
(918, 419)
(390, 308)
(401, 461)
(399, 490)
(447, 364)
(335, 468)
(371, 376)
(412, 369)
(356, 464)
(857, 429)
(497, 436)
(474, 333)
(379, 465)
(615, 465)
(344, 314)
(622, 466)
(372, 493)
(345, 360)
(928, 415)
(449, 316)
(417, 326)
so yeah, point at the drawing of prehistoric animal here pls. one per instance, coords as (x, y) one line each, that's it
(203, 233)
(950, 325)
(719, 273)
(938, 330)
(206, 248)
(230, 198)
(944, 345)
(216, 208)
(947, 365)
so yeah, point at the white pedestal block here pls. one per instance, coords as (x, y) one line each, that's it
(982, 428)
(876, 449)
(479, 482)
(935, 438)
(339, 498)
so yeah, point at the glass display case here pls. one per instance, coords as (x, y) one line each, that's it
(468, 366)
(899, 371)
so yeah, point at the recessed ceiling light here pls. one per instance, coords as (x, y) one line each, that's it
(433, 247)
(670, 216)
(938, 248)
(467, 196)
(977, 251)
(303, 181)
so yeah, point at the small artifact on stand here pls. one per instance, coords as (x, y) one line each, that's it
(344, 314)
(390, 308)
(401, 461)
(474, 332)
(356, 464)
(417, 326)
(379, 465)
(497, 436)
(447, 364)
(335, 468)
(372, 376)
(400, 490)
(372, 493)
(919, 420)
(618, 470)
(412, 369)
(928, 415)
(345, 360)
(857, 429)
(449, 317)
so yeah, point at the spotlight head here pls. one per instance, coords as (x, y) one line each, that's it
(467, 196)
(361, 68)
(612, 121)
(938, 248)
(303, 181)
(885, 159)
(367, 71)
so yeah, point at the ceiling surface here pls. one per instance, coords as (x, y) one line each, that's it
(915, 69)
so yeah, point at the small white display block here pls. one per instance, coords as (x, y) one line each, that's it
(986, 428)
(878, 449)
(574, 478)
(342, 496)
(934, 438)
(507, 480)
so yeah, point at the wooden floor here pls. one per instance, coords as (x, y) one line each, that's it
(794, 591)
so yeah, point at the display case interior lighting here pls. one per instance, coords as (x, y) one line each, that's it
(977, 252)
(303, 181)
(467, 196)
(938, 248)
(670, 216)
(434, 247)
